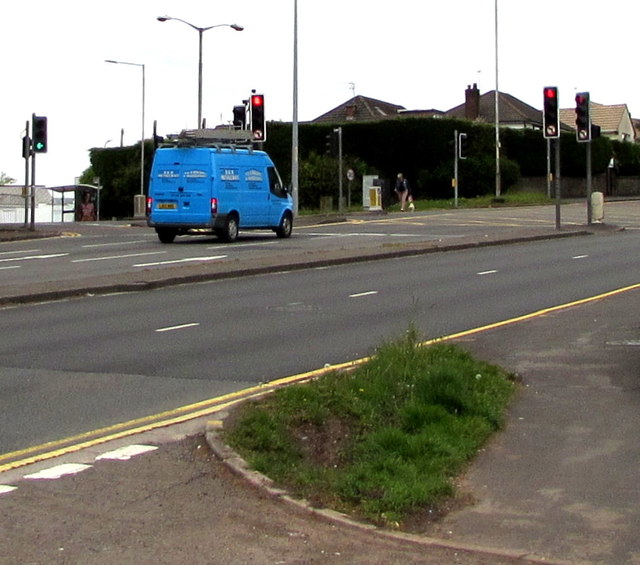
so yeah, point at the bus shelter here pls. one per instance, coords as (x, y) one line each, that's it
(86, 201)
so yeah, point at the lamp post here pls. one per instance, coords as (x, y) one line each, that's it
(497, 106)
(139, 204)
(295, 166)
(200, 31)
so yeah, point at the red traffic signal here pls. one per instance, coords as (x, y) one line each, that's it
(583, 117)
(258, 123)
(550, 114)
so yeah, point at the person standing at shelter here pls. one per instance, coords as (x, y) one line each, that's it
(402, 190)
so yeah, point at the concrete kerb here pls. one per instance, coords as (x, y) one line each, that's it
(257, 480)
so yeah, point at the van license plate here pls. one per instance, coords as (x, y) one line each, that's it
(167, 205)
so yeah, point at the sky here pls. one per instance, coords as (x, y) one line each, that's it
(419, 54)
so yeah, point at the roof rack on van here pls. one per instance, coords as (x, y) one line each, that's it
(207, 137)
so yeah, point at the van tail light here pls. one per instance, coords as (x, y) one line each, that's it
(214, 206)
(149, 205)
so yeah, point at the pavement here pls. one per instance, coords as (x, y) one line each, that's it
(558, 485)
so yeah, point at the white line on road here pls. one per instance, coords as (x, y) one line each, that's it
(127, 452)
(184, 260)
(51, 256)
(113, 243)
(4, 489)
(360, 294)
(106, 258)
(491, 272)
(58, 471)
(180, 327)
(240, 245)
(9, 267)
(580, 257)
(20, 251)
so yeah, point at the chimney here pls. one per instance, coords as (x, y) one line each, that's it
(472, 102)
(350, 112)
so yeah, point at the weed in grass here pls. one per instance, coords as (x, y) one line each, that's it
(383, 442)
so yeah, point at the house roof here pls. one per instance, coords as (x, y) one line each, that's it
(512, 110)
(609, 118)
(360, 108)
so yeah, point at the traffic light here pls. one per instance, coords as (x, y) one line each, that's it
(332, 144)
(240, 117)
(258, 124)
(39, 126)
(583, 117)
(26, 147)
(463, 146)
(550, 114)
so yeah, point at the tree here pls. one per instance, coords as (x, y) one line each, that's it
(6, 179)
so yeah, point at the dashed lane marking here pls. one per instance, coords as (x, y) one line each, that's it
(111, 257)
(183, 260)
(58, 471)
(127, 452)
(361, 294)
(179, 327)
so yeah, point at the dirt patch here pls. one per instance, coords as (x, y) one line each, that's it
(16, 234)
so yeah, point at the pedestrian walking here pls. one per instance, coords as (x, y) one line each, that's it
(402, 191)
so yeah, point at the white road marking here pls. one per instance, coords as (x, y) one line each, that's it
(20, 251)
(238, 245)
(109, 257)
(362, 234)
(359, 294)
(127, 452)
(9, 267)
(180, 327)
(184, 260)
(4, 489)
(114, 243)
(580, 257)
(491, 272)
(58, 471)
(28, 257)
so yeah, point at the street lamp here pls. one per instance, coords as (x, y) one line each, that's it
(497, 105)
(140, 206)
(200, 31)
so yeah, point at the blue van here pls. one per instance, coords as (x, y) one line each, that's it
(219, 189)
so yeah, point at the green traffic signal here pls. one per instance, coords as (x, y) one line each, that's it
(39, 134)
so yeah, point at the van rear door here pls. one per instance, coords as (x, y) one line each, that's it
(182, 187)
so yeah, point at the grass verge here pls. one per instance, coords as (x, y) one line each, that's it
(521, 198)
(383, 442)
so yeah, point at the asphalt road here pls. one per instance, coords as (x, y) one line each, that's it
(74, 366)
(555, 484)
(559, 485)
(97, 257)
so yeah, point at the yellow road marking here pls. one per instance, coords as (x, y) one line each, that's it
(207, 407)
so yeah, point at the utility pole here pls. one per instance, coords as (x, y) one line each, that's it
(338, 130)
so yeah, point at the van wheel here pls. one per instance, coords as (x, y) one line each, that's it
(230, 231)
(166, 235)
(285, 227)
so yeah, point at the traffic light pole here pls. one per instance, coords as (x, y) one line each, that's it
(32, 192)
(589, 205)
(557, 181)
(26, 153)
(340, 197)
(455, 168)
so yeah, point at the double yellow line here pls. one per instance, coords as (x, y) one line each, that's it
(189, 412)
